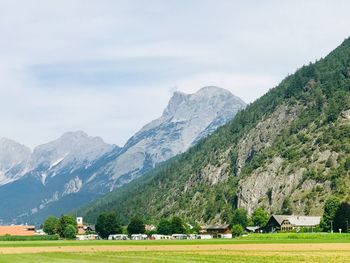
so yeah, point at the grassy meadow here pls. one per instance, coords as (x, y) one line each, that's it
(286, 247)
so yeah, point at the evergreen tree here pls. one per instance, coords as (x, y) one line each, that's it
(240, 217)
(330, 208)
(342, 217)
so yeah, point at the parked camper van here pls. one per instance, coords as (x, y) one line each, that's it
(118, 237)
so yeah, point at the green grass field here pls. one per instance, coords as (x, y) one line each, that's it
(192, 253)
(284, 238)
(177, 257)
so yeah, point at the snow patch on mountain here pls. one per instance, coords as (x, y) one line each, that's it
(57, 162)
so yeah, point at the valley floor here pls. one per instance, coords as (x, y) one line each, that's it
(254, 248)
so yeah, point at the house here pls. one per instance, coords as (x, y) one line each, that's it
(215, 230)
(291, 222)
(17, 230)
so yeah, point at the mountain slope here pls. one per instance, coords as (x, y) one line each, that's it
(289, 150)
(187, 119)
(52, 171)
(76, 168)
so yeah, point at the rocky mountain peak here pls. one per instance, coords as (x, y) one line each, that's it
(182, 105)
(12, 153)
(212, 91)
(72, 146)
(175, 102)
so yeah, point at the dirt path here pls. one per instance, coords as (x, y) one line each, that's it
(194, 248)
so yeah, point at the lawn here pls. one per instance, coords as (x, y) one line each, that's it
(286, 247)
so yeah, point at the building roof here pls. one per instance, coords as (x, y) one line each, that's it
(17, 230)
(297, 220)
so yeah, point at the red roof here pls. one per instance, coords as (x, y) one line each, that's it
(17, 230)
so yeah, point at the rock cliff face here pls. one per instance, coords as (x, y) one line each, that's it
(76, 168)
(264, 134)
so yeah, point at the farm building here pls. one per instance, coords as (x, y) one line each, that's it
(215, 230)
(17, 230)
(291, 222)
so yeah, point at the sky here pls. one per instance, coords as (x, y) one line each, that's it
(108, 67)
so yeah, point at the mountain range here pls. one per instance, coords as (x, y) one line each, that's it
(76, 168)
(287, 152)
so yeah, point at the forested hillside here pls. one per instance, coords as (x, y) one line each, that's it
(287, 152)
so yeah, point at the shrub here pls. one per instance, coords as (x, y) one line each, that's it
(237, 230)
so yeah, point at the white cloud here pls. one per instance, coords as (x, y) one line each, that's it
(108, 67)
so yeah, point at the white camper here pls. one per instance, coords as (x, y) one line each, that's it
(118, 237)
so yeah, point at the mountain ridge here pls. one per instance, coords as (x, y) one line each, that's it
(76, 168)
(284, 152)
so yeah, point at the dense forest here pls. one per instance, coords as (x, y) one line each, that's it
(302, 130)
